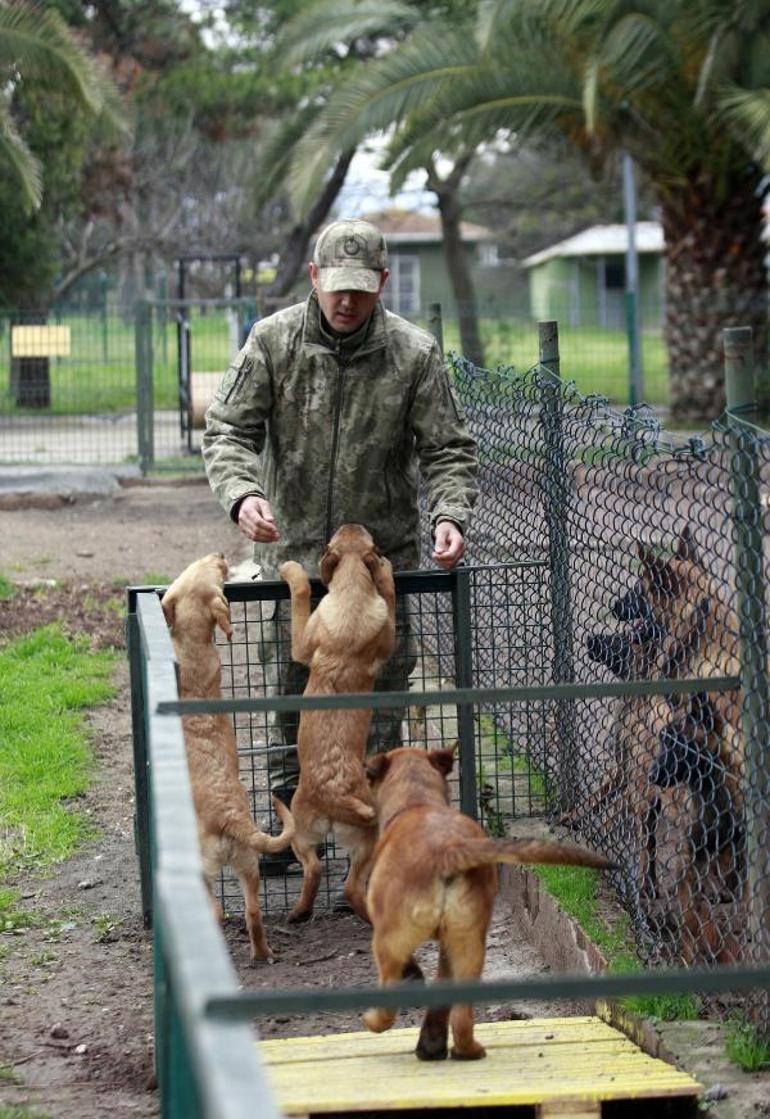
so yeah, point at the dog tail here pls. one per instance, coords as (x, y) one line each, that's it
(482, 851)
(260, 840)
(351, 809)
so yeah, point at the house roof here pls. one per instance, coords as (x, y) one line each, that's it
(404, 227)
(603, 240)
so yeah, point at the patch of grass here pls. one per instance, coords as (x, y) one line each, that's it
(745, 1047)
(13, 1111)
(153, 579)
(47, 682)
(104, 924)
(574, 888)
(9, 1075)
(7, 589)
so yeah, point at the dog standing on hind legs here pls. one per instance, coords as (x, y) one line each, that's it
(194, 606)
(434, 877)
(345, 641)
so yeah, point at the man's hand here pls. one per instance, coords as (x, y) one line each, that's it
(255, 520)
(448, 545)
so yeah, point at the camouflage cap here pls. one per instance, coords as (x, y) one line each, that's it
(350, 255)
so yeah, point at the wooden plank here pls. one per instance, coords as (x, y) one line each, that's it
(568, 1109)
(575, 1062)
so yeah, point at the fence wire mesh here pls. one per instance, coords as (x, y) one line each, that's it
(257, 663)
(639, 536)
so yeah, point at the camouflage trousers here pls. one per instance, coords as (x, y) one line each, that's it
(283, 676)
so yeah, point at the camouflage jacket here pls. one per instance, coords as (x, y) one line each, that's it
(331, 430)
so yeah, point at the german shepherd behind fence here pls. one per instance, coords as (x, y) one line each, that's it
(687, 766)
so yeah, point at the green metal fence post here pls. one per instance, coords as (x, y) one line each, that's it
(461, 610)
(752, 625)
(556, 503)
(435, 325)
(145, 404)
(142, 795)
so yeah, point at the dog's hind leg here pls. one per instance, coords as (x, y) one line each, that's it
(359, 843)
(304, 845)
(392, 955)
(466, 951)
(260, 949)
(434, 1032)
(246, 866)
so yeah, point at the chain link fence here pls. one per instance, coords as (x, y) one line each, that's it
(656, 555)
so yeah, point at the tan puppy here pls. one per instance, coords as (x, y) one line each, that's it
(194, 605)
(345, 641)
(434, 878)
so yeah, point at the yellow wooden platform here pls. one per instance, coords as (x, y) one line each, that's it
(547, 1063)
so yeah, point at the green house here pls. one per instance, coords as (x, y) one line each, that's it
(581, 281)
(418, 271)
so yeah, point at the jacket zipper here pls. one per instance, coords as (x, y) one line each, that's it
(335, 440)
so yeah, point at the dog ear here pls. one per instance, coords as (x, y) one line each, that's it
(220, 609)
(168, 605)
(376, 767)
(372, 563)
(443, 759)
(685, 546)
(328, 566)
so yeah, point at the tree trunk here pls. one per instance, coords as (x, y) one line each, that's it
(295, 254)
(30, 381)
(447, 195)
(715, 277)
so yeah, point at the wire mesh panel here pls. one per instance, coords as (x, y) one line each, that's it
(428, 657)
(67, 388)
(638, 533)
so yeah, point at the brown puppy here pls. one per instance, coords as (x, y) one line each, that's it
(345, 641)
(194, 605)
(434, 878)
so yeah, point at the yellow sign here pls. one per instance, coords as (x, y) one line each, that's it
(40, 341)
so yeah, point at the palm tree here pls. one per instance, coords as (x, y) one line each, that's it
(37, 47)
(368, 29)
(683, 85)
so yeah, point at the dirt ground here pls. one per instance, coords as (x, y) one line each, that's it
(76, 1030)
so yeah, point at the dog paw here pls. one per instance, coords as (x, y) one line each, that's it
(291, 570)
(473, 1053)
(435, 1052)
(297, 916)
(378, 1020)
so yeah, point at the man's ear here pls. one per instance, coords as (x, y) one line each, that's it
(443, 759)
(376, 767)
(328, 566)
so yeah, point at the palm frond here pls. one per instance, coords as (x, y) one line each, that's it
(19, 162)
(278, 153)
(35, 42)
(747, 114)
(328, 24)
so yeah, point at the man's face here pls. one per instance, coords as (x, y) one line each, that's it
(345, 311)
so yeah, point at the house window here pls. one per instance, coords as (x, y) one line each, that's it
(488, 254)
(402, 293)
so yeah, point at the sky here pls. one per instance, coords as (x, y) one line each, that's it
(366, 189)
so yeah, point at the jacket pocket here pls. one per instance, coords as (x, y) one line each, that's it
(237, 372)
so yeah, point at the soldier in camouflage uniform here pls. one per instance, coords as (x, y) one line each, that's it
(324, 417)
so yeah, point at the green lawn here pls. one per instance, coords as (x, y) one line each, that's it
(99, 375)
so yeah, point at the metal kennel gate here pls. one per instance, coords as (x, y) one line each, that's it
(461, 632)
